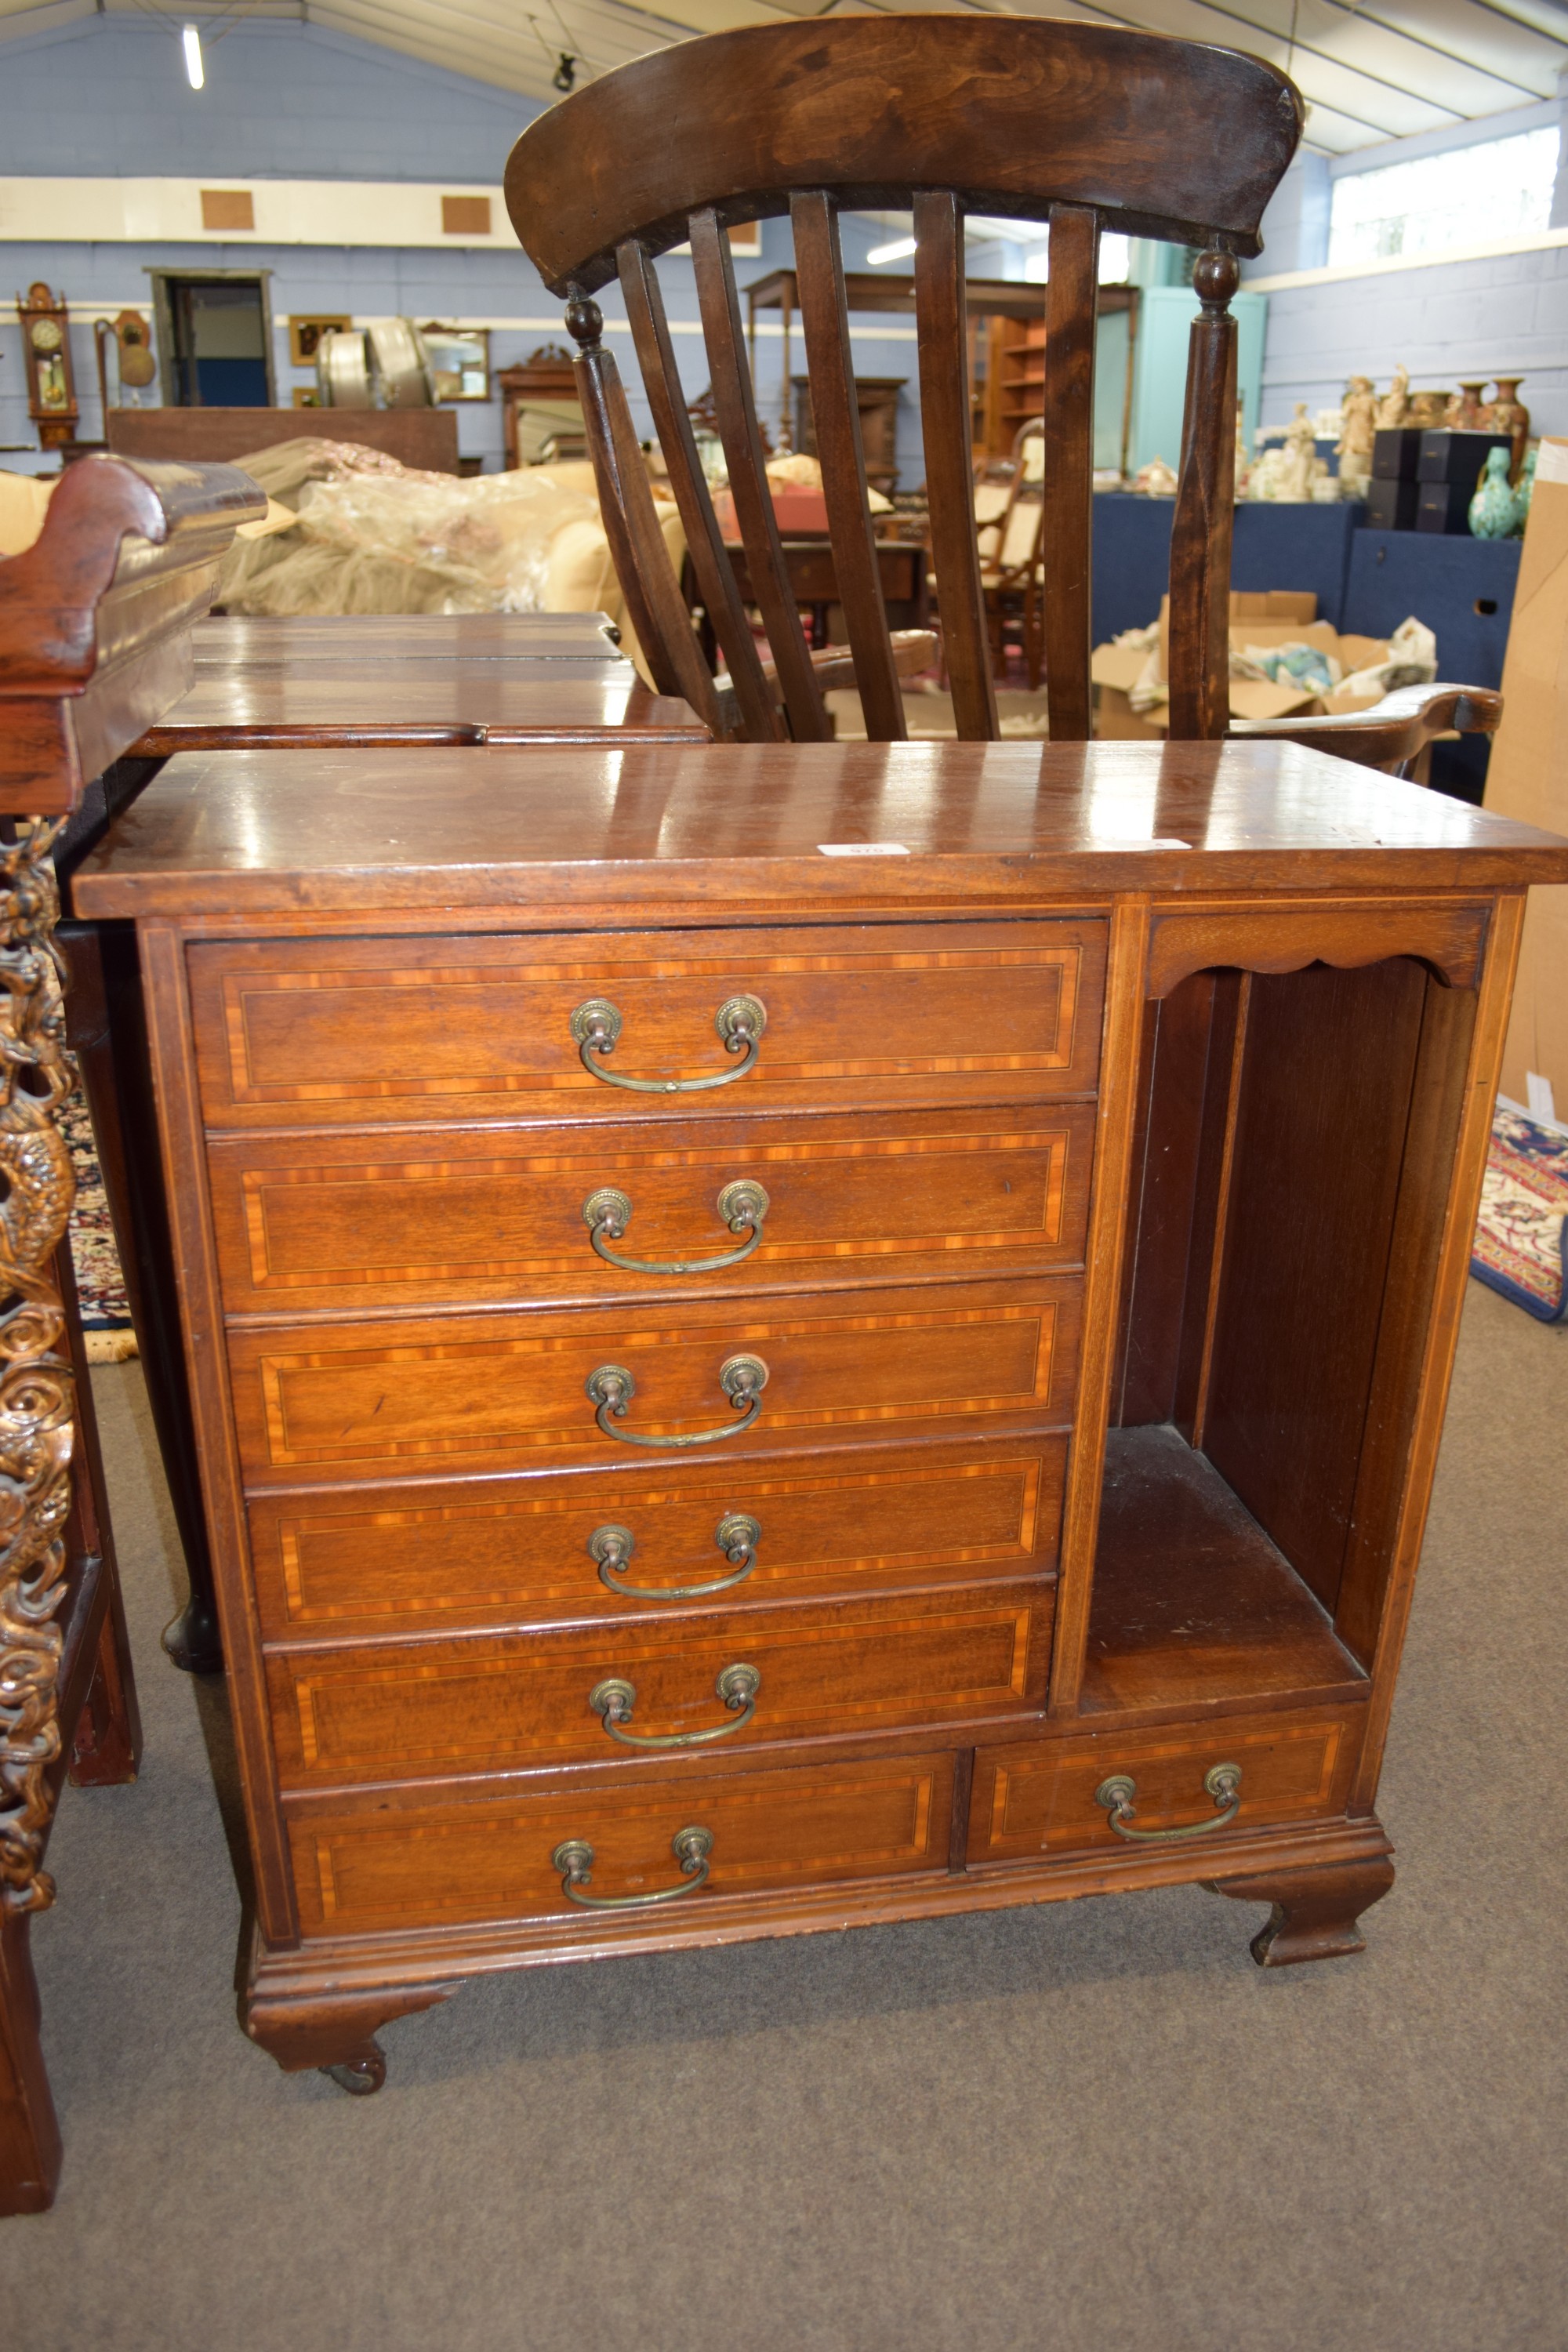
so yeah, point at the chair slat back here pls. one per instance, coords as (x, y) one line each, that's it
(941, 328)
(672, 423)
(1080, 125)
(1071, 293)
(825, 320)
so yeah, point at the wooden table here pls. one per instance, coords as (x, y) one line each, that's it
(814, 584)
(336, 705)
(235, 639)
(744, 1390)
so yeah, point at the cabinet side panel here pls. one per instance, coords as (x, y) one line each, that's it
(1324, 1109)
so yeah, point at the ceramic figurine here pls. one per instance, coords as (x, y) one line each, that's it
(1508, 414)
(1357, 422)
(1467, 410)
(1494, 509)
(1301, 454)
(1394, 408)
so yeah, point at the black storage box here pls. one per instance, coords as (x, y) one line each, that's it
(1391, 505)
(1457, 457)
(1396, 454)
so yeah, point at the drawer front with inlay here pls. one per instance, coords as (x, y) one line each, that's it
(420, 1864)
(635, 1209)
(297, 1032)
(489, 1703)
(514, 1391)
(647, 1539)
(1119, 1791)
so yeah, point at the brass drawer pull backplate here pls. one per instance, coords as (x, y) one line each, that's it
(742, 1206)
(742, 1379)
(615, 1699)
(575, 1860)
(736, 1535)
(1223, 1783)
(597, 1024)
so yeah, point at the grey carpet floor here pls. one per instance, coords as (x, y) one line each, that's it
(1093, 2124)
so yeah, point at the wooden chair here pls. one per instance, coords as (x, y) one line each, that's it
(1085, 127)
(95, 623)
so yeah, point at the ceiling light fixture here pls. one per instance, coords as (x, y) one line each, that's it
(190, 41)
(899, 250)
(564, 77)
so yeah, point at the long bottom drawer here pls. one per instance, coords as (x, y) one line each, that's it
(494, 1860)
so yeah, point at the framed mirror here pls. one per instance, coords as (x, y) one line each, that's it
(459, 360)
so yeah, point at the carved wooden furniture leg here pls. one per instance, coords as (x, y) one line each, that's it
(37, 1429)
(335, 2035)
(1314, 1912)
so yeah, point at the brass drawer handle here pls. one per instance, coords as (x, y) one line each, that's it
(742, 1206)
(1223, 1783)
(742, 1378)
(736, 1536)
(575, 1860)
(615, 1699)
(740, 1021)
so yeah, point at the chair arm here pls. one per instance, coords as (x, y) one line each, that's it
(1392, 732)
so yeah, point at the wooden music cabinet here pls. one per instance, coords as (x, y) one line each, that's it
(745, 1390)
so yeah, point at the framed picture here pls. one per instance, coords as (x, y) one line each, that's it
(307, 396)
(305, 337)
(459, 360)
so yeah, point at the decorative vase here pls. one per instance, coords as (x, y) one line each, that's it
(1508, 414)
(1430, 409)
(1494, 510)
(1467, 410)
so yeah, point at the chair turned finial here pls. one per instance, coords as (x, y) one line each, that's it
(585, 319)
(1215, 276)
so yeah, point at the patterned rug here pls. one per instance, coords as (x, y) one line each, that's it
(1521, 1240)
(100, 1286)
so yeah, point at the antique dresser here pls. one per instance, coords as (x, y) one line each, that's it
(788, 1338)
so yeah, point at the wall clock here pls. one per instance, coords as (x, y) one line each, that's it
(51, 389)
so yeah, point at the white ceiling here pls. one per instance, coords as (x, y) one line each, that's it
(1370, 70)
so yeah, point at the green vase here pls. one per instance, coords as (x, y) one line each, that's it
(1493, 510)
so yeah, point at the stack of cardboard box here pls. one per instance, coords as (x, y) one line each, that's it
(1268, 620)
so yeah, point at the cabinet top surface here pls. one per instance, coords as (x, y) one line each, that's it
(731, 827)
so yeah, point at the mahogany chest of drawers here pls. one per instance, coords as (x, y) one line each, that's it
(745, 1390)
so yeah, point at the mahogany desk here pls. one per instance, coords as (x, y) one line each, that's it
(743, 1391)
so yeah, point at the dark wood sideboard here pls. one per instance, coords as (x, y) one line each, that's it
(745, 1389)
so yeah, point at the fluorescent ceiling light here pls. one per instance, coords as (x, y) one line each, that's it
(191, 42)
(899, 250)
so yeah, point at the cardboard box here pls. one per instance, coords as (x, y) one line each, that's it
(1528, 776)
(1275, 617)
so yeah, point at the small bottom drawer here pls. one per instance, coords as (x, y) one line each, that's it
(492, 1859)
(1049, 1796)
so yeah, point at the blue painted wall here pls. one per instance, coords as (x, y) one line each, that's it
(108, 97)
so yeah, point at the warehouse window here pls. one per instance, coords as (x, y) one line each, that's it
(1463, 195)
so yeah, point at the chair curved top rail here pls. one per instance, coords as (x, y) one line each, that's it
(1081, 126)
(96, 615)
(1011, 115)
